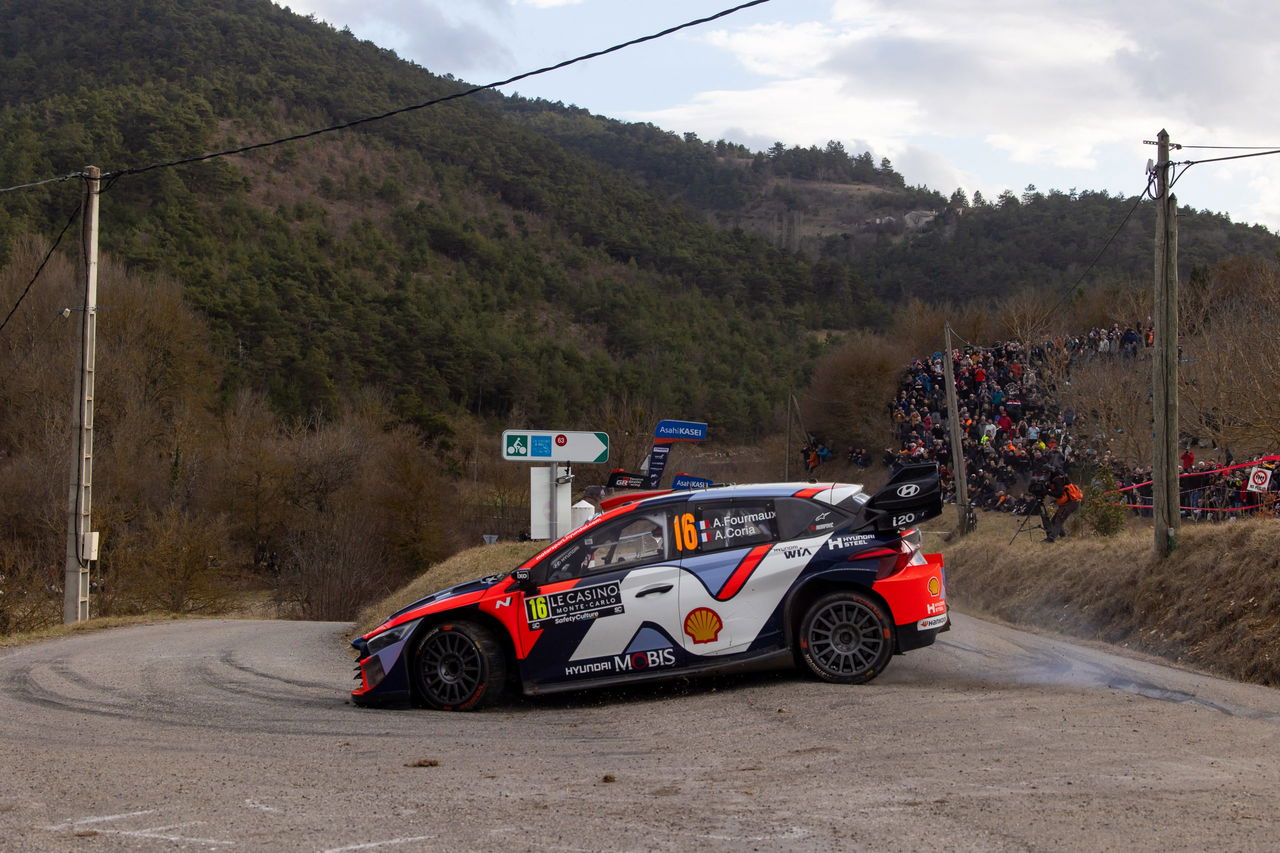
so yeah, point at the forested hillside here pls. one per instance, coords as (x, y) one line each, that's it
(309, 348)
(457, 258)
(491, 255)
(851, 217)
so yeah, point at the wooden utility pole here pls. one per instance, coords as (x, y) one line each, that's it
(82, 543)
(958, 475)
(1164, 364)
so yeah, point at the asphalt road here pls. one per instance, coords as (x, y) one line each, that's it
(237, 735)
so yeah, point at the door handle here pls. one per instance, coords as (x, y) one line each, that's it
(650, 590)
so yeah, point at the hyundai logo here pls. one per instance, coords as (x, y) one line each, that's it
(909, 490)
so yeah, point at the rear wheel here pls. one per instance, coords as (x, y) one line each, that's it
(458, 666)
(845, 637)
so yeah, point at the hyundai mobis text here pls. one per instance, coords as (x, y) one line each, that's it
(679, 583)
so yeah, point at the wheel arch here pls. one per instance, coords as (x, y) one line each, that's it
(470, 613)
(818, 586)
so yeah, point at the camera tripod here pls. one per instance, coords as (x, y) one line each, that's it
(1044, 524)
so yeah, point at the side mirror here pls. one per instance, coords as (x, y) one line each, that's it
(524, 580)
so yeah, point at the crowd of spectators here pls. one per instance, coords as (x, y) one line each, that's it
(1012, 427)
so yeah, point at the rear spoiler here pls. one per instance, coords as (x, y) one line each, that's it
(912, 495)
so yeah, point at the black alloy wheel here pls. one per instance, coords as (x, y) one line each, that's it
(458, 666)
(845, 638)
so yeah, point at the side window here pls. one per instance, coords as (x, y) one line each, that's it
(631, 540)
(705, 528)
(799, 518)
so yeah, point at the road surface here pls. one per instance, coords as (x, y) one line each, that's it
(237, 735)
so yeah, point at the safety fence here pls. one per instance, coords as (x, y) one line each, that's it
(1221, 491)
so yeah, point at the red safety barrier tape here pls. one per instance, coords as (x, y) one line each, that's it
(1258, 461)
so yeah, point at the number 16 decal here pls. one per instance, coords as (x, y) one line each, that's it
(686, 537)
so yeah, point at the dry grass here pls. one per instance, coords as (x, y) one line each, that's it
(461, 567)
(1213, 605)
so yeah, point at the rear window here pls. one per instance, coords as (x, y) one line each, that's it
(799, 518)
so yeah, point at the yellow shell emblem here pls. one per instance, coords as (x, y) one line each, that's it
(935, 586)
(703, 624)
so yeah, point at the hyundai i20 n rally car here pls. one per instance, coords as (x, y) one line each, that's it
(676, 584)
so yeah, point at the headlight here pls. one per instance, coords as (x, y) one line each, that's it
(391, 636)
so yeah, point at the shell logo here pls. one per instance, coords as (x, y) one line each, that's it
(703, 624)
(935, 586)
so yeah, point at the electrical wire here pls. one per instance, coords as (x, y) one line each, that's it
(39, 269)
(1231, 147)
(109, 178)
(1189, 163)
(23, 358)
(465, 93)
(56, 180)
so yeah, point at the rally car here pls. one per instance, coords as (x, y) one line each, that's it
(679, 583)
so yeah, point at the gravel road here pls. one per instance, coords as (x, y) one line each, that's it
(211, 735)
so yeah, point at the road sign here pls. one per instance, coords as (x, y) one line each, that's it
(1259, 480)
(527, 445)
(680, 431)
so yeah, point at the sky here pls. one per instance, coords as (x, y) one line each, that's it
(984, 96)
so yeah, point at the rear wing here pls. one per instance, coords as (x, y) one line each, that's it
(912, 495)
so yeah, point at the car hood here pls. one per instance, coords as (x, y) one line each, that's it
(461, 589)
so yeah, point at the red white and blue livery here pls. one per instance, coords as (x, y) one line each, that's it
(822, 575)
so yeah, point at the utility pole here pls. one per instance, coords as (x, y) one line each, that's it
(958, 475)
(82, 544)
(1164, 364)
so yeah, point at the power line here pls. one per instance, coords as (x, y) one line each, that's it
(475, 89)
(22, 359)
(1227, 147)
(59, 179)
(1189, 163)
(39, 269)
(1114, 234)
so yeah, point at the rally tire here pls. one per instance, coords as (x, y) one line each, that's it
(845, 638)
(457, 666)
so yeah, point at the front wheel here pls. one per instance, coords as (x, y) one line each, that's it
(458, 666)
(845, 638)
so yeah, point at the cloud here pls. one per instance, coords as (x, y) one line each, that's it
(418, 29)
(811, 110)
(956, 92)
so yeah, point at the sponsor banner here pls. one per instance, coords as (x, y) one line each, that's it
(680, 431)
(657, 465)
(684, 481)
(574, 605)
(623, 480)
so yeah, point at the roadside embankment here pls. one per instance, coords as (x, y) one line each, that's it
(1214, 604)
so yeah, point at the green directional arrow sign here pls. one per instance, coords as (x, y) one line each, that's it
(543, 445)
